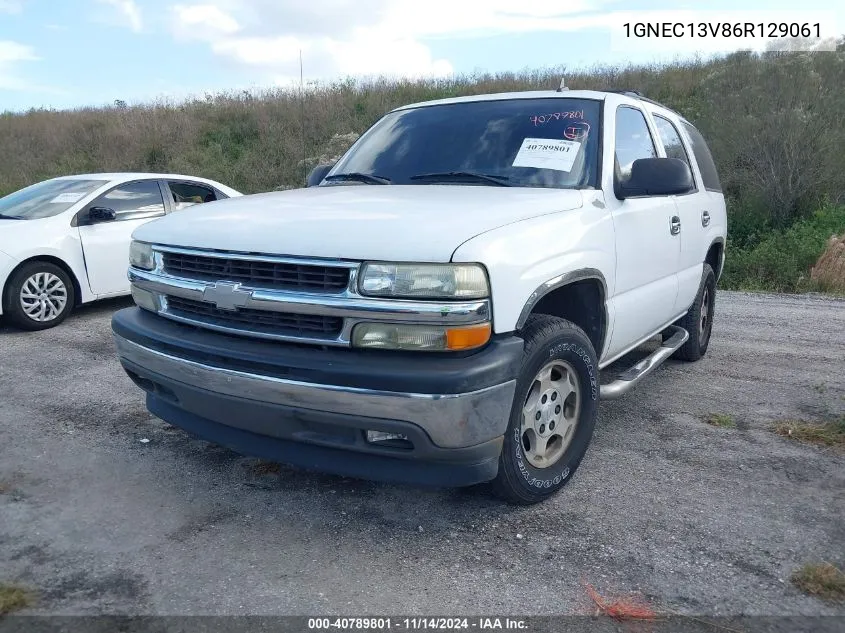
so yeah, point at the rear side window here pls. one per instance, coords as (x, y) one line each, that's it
(671, 139)
(705, 162)
(186, 194)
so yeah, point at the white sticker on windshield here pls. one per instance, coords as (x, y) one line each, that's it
(547, 153)
(66, 198)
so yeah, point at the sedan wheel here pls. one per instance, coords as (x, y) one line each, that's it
(43, 297)
(38, 295)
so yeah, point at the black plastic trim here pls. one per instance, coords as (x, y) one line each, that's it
(419, 372)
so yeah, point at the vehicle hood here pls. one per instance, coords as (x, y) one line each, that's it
(387, 222)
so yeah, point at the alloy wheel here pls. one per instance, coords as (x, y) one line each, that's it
(550, 414)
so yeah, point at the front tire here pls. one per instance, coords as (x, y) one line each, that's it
(38, 295)
(699, 320)
(553, 412)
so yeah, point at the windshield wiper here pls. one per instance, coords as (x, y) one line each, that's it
(360, 177)
(464, 175)
(11, 217)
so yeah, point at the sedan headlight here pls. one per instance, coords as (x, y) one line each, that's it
(141, 255)
(424, 281)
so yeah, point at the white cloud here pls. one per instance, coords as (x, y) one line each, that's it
(11, 53)
(205, 19)
(128, 12)
(11, 6)
(354, 37)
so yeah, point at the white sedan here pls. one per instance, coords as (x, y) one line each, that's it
(65, 241)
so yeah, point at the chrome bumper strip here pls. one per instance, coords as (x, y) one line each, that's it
(451, 420)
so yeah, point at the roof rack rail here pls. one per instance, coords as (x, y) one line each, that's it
(638, 95)
(630, 93)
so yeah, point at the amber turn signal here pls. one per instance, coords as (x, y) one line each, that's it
(469, 337)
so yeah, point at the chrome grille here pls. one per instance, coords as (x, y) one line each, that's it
(257, 321)
(256, 273)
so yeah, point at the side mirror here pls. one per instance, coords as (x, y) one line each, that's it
(101, 214)
(317, 174)
(656, 177)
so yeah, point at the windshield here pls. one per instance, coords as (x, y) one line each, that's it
(45, 199)
(516, 142)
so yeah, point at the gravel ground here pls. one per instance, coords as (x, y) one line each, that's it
(700, 520)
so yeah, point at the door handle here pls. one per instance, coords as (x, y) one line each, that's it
(705, 218)
(675, 225)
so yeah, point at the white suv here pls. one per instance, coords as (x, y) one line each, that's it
(437, 307)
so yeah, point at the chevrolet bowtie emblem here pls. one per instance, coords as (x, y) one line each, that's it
(226, 296)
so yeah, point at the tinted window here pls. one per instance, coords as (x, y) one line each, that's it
(46, 199)
(671, 140)
(133, 200)
(709, 176)
(633, 140)
(186, 194)
(530, 142)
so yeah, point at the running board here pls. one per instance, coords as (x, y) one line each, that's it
(628, 379)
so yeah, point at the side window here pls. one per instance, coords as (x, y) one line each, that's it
(709, 176)
(186, 194)
(671, 139)
(133, 201)
(633, 140)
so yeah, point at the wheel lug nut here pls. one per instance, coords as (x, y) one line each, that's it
(554, 395)
(542, 428)
(543, 399)
(538, 415)
(551, 426)
(557, 409)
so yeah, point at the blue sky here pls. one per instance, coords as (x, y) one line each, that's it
(72, 53)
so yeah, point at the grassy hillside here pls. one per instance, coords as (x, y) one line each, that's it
(775, 123)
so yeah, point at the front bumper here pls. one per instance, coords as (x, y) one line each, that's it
(312, 407)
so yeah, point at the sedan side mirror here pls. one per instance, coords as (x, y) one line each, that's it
(656, 177)
(101, 214)
(317, 174)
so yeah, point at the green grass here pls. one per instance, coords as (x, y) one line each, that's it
(780, 260)
(831, 434)
(822, 580)
(721, 420)
(14, 598)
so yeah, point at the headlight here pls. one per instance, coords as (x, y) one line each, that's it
(424, 281)
(434, 338)
(141, 255)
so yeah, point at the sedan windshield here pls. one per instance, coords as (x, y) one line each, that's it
(551, 142)
(45, 199)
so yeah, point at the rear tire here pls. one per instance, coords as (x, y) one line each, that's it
(553, 412)
(39, 295)
(699, 320)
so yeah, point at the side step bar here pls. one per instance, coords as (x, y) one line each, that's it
(629, 378)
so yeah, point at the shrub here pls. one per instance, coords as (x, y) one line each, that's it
(781, 260)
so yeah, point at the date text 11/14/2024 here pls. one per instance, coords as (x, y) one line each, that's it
(415, 624)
